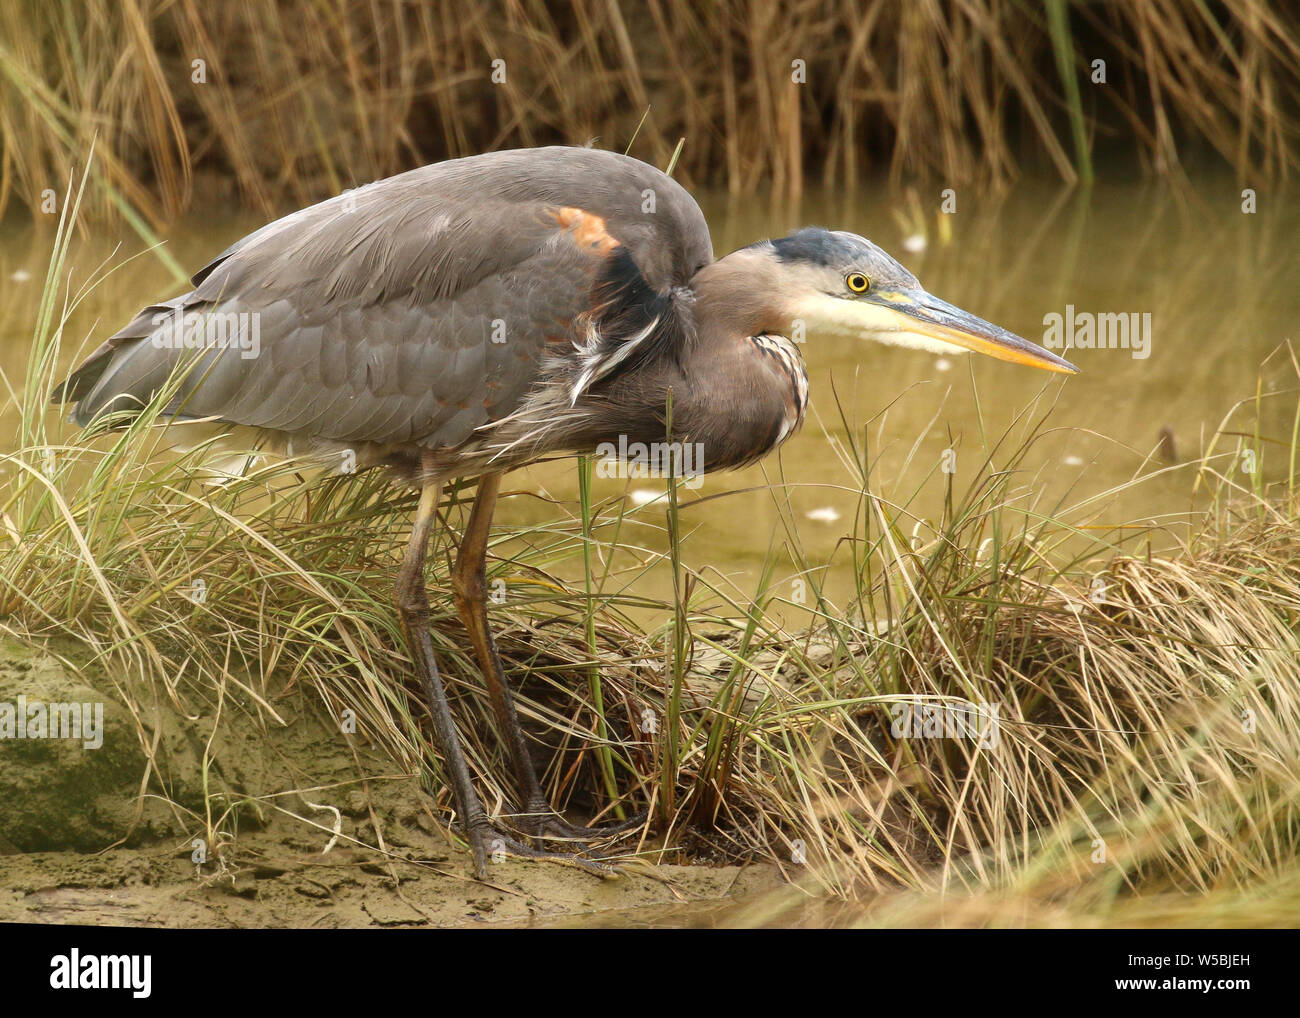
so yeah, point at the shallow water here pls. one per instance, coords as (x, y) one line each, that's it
(1220, 287)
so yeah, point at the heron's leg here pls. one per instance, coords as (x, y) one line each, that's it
(469, 583)
(413, 610)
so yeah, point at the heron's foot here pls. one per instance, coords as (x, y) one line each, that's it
(492, 845)
(544, 823)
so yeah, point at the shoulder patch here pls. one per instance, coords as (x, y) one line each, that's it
(587, 229)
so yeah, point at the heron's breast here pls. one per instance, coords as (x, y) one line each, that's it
(788, 364)
(749, 401)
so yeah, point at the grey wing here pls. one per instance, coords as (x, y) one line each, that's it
(416, 309)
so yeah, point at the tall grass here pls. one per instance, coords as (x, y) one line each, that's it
(302, 99)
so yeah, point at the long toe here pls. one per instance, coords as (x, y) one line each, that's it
(544, 823)
(496, 846)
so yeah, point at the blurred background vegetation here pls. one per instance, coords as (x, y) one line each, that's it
(279, 104)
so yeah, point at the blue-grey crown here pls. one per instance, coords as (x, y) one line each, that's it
(841, 251)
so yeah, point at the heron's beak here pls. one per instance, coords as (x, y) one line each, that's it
(915, 313)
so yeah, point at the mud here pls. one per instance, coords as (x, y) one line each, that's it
(299, 828)
(280, 884)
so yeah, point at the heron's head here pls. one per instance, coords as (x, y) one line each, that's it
(839, 283)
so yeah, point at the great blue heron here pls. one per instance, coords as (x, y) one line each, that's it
(472, 316)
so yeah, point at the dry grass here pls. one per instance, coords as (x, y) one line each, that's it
(303, 99)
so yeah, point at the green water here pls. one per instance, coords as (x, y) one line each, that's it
(1220, 287)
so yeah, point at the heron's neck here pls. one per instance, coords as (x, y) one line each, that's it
(736, 296)
(740, 388)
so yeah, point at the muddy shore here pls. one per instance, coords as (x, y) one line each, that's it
(312, 831)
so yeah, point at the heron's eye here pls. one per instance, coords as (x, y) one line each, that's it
(857, 282)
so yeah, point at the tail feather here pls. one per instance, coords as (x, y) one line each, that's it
(124, 370)
(83, 378)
